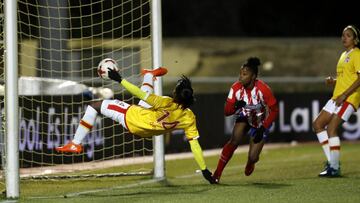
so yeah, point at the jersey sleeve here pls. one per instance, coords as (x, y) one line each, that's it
(191, 132)
(230, 101)
(134, 90)
(197, 152)
(231, 96)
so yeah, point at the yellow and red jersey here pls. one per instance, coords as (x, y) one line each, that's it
(164, 116)
(347, 71)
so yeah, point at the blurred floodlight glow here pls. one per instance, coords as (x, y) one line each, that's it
(268, 66)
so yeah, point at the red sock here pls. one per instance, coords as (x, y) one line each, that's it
(226, 155)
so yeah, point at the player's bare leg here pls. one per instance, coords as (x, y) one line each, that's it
(253, 156)
(229, 148)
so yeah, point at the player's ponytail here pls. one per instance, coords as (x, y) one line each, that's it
(253, 64)
(184, 94)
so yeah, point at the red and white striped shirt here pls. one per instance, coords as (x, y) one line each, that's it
(261, 106)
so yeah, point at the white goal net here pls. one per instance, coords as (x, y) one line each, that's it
(60, 43)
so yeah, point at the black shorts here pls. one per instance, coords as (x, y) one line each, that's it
(241, 119)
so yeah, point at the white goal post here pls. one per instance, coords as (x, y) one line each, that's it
(159, 158)
(56, 51)
(11, 102)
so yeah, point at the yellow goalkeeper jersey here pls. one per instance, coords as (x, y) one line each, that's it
(164, 116)
(347, 71)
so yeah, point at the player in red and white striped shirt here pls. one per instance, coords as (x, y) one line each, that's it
(255, 108)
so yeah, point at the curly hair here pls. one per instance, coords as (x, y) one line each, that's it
(253, 64)
(184, 94)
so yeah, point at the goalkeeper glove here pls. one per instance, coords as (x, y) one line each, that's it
(114, 75)
(208, 176)
(259, 134)
(239, 104)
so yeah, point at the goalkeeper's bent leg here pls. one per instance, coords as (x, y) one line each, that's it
(86, 123)
(148, 87)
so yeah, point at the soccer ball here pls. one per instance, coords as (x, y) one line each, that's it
(104, 65)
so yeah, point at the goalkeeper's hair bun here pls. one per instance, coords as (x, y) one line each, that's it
(184, 94)
(253, 64)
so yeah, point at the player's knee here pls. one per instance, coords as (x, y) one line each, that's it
(317, 127)
(234, 141)
(236, 138)
(331, 131)
(96, 105)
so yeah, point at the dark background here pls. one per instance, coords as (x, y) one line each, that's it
(257, 18)
(196, 18)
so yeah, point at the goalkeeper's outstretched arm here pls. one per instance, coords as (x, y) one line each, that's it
(198, 155)
(134, 90)
(197, 152)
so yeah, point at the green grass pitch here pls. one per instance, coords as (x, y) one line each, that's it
(282, 175)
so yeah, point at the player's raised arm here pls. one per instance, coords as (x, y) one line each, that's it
(133, 89)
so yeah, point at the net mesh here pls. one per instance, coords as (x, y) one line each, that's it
(60, 45)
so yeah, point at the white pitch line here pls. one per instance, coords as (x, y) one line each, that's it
(9, 201)
(113, 188)
(74, 194)
(241, 149)
(68, 168)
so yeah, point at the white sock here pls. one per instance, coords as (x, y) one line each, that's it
(86, 123)
(324, 141)
(147, 86)
(334, 143)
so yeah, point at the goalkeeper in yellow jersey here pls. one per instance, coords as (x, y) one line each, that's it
(154, 115)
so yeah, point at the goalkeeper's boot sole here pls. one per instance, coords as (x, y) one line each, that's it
(155, 72)
(249, 169)
(70, 148)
